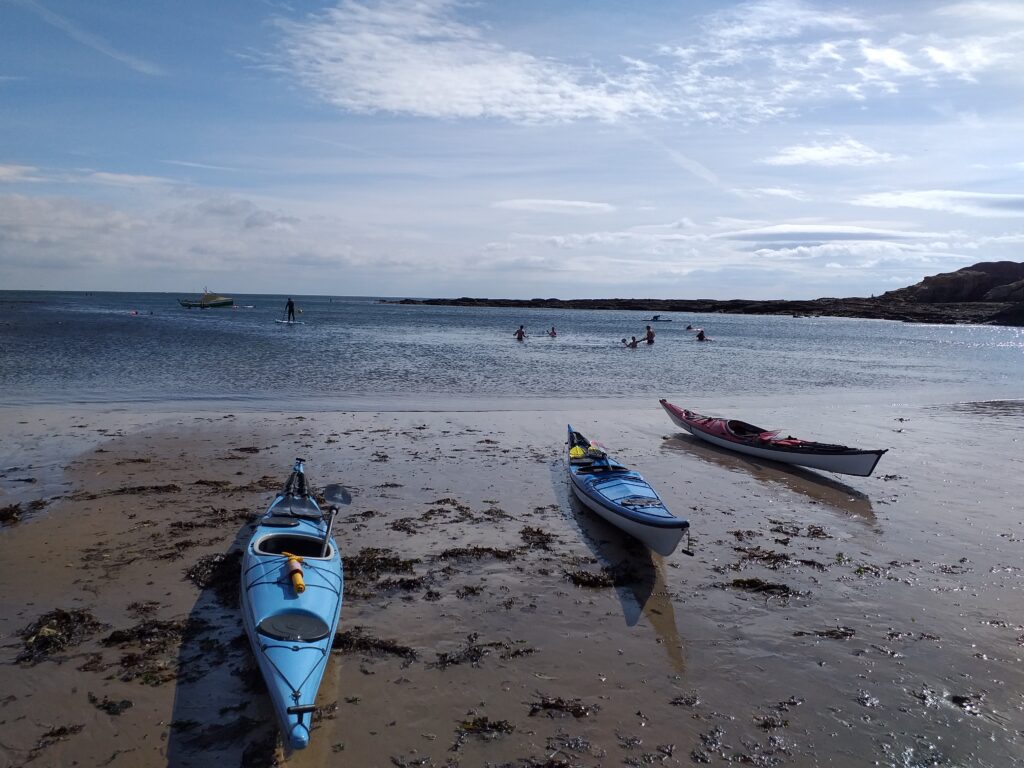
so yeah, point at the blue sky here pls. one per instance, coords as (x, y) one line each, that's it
(775, 149)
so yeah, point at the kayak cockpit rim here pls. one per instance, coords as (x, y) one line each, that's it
(306, 547)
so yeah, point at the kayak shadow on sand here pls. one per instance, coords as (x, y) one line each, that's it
(805, 482)
(638, 573)
(221, 714)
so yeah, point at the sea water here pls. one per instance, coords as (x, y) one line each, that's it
(144, 347)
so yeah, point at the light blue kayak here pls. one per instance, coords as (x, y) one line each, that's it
(291, 622)
(622, 496)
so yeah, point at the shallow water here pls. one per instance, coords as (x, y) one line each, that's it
(109, 347)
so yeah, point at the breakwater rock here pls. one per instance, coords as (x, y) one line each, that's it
(989, 293)
(993, 313)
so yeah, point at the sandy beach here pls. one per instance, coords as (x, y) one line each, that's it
(489, 620)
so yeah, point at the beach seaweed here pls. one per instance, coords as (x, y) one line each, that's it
(221, 573)
(356, 641)
(54, 631)
(554, 706)
(10, 514)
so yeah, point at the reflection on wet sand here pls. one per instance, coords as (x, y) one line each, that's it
(639, 576)
(802, 481)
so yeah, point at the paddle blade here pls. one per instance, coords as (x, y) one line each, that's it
(335, 495)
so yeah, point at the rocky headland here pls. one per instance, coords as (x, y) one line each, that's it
(989, 293)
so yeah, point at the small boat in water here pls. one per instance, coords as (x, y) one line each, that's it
(622, 497)
(207, 301)
(767, 444)
(292, 585)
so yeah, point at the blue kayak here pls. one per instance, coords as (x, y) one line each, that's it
(291, 602)
(622, 496)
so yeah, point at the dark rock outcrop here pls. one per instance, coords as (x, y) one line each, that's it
(987, 293)
(974, 283)
(1008, 292)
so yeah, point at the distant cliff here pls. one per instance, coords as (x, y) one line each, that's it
(986, 281)
(985, 293)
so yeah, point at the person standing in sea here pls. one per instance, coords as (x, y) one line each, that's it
(649, 338)
(520, 333)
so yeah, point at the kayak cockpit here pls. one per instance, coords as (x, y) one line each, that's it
(285, 544)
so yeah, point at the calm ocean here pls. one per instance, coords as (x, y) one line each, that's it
(143, 347)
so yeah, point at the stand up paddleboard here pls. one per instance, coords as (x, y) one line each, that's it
(291, 322)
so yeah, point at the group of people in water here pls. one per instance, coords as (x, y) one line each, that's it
(520, 333)
(633, 343)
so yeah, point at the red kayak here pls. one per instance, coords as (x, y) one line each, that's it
(766, 444)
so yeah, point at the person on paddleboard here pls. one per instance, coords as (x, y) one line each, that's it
(701, 336)
(520, 333)
(290, 307)
(649, 338)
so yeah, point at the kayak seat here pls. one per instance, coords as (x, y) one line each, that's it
(298, 506)
(294, 626)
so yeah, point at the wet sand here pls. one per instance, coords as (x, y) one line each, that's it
(823, 620)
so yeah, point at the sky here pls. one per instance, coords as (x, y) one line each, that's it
(541, 148)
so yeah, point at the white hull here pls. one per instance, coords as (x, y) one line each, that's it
(862, 464)
(662, 540)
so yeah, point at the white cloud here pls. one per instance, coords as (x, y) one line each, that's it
(415, 58)
(775, 19)
(792, 194)
(817, 233)
(978, 204)
(126, 179)
(1012, 12)
(846, 152)
(553, 206)
(752, 63)
(889, 59)
(15, 173)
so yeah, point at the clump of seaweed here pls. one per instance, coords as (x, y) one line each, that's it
(686, 700)
(52, 736)
(472, 653)
(556, 706)
(54, 631)
(155, 640)
(480, 726)
(484, 726)
(356, 641)
(769, 558)
(834, 633)
(10, 514)
(371, 562)
(222, 573)
(476, 553)
(770, 588)
(537, 537)
(109, 706)
(583, 578)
